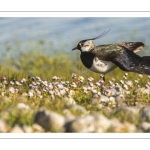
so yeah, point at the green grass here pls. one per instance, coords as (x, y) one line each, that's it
(37, 63)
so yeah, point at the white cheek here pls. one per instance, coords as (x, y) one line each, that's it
(85, 49)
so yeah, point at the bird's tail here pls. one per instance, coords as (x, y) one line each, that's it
(143, 66)
(131, 62)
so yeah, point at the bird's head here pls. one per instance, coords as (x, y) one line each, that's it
(84, 46)
(87, 45)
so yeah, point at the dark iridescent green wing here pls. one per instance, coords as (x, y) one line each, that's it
(108, 52)
(129, 61)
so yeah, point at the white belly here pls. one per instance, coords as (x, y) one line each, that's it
(101, 66)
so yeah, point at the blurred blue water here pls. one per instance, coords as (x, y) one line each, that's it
(65, 32)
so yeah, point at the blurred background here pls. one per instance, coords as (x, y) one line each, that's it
(23, 40)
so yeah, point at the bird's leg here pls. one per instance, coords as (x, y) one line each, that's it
(103, 77)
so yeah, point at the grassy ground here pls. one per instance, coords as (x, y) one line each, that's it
(35, 63)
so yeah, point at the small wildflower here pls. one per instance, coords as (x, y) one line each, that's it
(101, 81)
(148, 76)
(112, 100)
(16, 90)
(113, 79)
(106, 91)
(94, 91)
(84, 88)
(51, 92)
(45, 83)
(89, 88)
(18, 83)
(30, 93)
(44, 90)
(136, 81)
(126, 74)
(91, 84)
(90, 79)
(129, 83)
(110, 82)
(148, 83)
(33, 78)
(4, 78)
(54, 78)
(38, 83)
(60, 86)
(23, 80)
(74, 75)
(140, 75)
(121, 81)
(98, 83)
(33, 83)
(124, 77)
(71, 92)
(52, 96)
(126, 86)
(67, 82)
(11, 90)
(73, 85)
(101, 75)
(80, 78)
(12, 83)
(62, 92)
(3, 93)
(38, 78)
(50, 86)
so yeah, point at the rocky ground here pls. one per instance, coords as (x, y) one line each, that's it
(36, 105)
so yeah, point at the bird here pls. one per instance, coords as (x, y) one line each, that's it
(105, 58)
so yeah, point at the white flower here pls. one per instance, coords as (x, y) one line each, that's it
(11, 90)
(74, 75)
(136, 81)
(110, 82)
(38, 78)
(124, 77)
(94, 91)
(140, 75)
(91, 84)
(80, 78)
(62, 92)
(90, 79)
(130, 83)
(54, 78)
(18, 83)
(12, 83)
(30, 93)
(60, 86)
(23, 80)
(73, 85)
(71, 92)
(125, 86)
(121, 81)
(50, 86)
(101, 81)
(97, 83)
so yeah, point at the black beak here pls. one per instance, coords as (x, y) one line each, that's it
(75, 48)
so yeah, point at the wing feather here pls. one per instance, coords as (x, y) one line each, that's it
(133, 46)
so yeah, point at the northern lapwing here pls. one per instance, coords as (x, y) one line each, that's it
(105, 58)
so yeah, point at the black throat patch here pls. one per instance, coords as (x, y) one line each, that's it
(87, 59)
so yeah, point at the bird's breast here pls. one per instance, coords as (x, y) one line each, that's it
(95, 64)
(103, 67)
